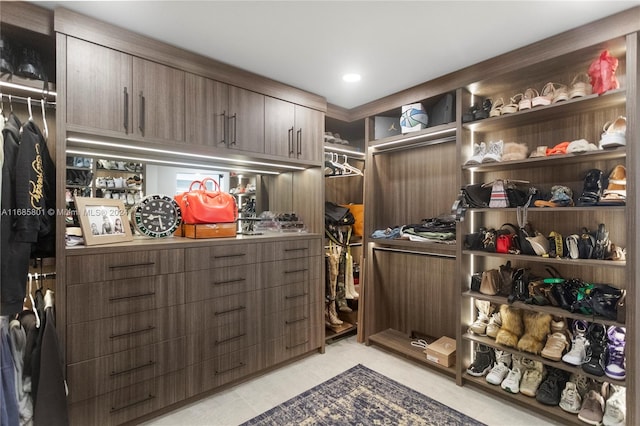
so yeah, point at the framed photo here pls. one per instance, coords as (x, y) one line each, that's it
(103, 220)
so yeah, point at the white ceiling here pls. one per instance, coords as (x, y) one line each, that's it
(310, 44)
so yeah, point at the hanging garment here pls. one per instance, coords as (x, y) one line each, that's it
(23, 390)
(42, 188)
(9, 414)
(51, 401)
(19, 231)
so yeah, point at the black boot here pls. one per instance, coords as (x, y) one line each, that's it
(596, 361)
(483, 362)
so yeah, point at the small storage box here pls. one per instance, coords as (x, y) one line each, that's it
(442, 351)
(209, 230)
(386, 127)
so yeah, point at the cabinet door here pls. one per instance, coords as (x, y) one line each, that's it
(308, 134)
(99, 89)
(206, 107)
(158, 101)
(279, 128)
(246, 120)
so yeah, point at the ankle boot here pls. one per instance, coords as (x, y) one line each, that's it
(482, 362)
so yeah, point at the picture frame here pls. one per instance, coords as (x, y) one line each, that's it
(103, 220)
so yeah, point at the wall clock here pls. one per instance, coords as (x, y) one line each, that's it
(156, 216)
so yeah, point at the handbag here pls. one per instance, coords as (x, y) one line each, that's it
(491, 282)
(498, 195)
(199, 205)
(477, 195)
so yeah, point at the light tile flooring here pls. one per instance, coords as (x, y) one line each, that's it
(245, 401)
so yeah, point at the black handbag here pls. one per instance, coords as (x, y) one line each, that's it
(477, 195)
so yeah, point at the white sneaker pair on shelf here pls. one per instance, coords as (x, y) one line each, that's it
(486, 153)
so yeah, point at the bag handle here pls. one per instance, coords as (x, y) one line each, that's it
(216, 185)
(194, 182)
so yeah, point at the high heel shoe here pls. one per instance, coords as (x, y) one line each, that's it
(526, 99)
(580, 86)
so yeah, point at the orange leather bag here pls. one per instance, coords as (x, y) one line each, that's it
(199, 205)
(357, 210)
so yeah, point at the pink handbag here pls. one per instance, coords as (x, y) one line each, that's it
(200, 205)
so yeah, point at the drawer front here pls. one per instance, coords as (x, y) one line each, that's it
(115, 266)
(221, 370)
(102, 375)
(287, 322)
(129, 403)
(284, 272)
(217, 282)
(93, 301)
(93, 339)
(283, 250)
(222, 311)
(285, 348)
(219, 256)
(284, 297)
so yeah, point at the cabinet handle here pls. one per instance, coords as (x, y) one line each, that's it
(240, 365)
(228, 281)
(132, 265)
(126, 111)
(129, 333)
(217, 342)
(297, 320)
(290, 138)
(239, 308)
(150, 397)
(299, 142)
(296, 249)
(293, 271)
(224, 128)
(230, 255)
(299, 344)
(141, 124)
(116, 298)
(296, 296)
(128, 370)
(235, 122)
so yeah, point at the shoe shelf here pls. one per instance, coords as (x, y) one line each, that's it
(430, 136)
(547, 260)
(535, 115)
(549, 209)
(553, 310)
(399, 343)
(488, 341)
(553, 411)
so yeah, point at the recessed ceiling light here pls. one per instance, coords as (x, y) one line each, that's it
(351, 77)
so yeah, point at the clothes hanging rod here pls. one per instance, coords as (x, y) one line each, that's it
(37, 276)
(27, 88)
(23, 100)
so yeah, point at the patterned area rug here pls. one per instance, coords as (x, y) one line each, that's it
(360, 396)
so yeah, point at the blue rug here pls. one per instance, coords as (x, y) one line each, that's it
(360, 396)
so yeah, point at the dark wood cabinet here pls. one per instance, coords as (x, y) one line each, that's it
(207, 111)
(246, 120)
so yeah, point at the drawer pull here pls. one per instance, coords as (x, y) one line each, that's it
(218, 342)
(299, 344)
(133, 265)
(144, 330)
(296, 296)
(293, 271)
(296, 249)
(128, 370)
(230, 255)
(240, 365)
(296, 320)
(149, 398)
(133, 296)
(228, 281)
(239, 308)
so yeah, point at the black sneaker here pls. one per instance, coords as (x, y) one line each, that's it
(6, 56)
(483, 362)
(596, 357)
(550, 390)
(30, 64)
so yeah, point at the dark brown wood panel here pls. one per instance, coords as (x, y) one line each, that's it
(279, 132)
(206, 109)
(246, 120)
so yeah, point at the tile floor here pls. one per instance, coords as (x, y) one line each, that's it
(243, 402)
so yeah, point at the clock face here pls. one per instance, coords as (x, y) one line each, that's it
(157, 216)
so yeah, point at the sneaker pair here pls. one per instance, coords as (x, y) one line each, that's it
(592, 410)
(550, 391)
(615, 353)
(500, 368)
(615, 411)
(483, 153)
(532, 377)
(483, 361)
(577, 353)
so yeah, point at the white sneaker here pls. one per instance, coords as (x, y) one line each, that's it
(616, 408)
(571, 400)
(494, 152)
(497, 374)
(479, 151)
(512, 382)
(530, 382)
(495, 322)
(577, 354)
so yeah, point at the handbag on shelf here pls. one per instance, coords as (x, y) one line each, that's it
(200, 205)
(491, 282)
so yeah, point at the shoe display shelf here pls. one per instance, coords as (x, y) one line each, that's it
(582, 117)
(244, 190)
(119, 180)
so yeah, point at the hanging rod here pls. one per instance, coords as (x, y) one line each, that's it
(23, 100)
(37, 276)
(27, 88)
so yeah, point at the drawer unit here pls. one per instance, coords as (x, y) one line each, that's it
(283, 272)
(216, 282)
(115, 266)
(287, 296)
(223, 369)
(126, 404)
(98, 300)
(102, 375)
(93, 339)
(287, 323)
(286, 347)
(219, 256)
(291, 249)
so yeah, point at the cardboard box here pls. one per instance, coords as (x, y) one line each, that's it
(209, 230)
(386, 126)
(442, 351)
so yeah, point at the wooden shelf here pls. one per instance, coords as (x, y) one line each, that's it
(547, 260)
(431, 135)
(549, 209)
(501, 300)
(400, 344)
(435, 249)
